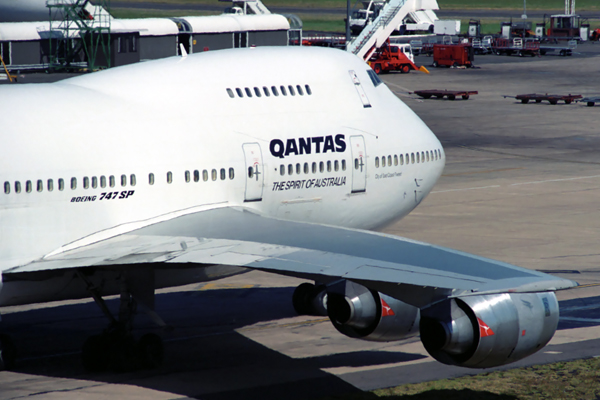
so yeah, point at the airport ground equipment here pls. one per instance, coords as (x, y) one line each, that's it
(551, 98)
(10, 77)
(562, 50)
(516, 46)
(449, 94)
(453, 55)
(394, 58)
(483, 45)
(590, 100)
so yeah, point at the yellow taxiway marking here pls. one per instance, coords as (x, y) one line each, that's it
(215, 286)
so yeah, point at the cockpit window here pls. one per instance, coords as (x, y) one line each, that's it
(374, 78)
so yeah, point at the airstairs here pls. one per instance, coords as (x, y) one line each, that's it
(257, 7)
(82, 28)
(375, 34)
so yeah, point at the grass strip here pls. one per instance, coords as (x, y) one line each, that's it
(574, 380)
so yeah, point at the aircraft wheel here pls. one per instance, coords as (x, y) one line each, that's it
(95, 353)
(150, 351)
(8, 353)
(122, 353)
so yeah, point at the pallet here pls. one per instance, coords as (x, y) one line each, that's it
(449, 94)
(551, 98)
(590, 100)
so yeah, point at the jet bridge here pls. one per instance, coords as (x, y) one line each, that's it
(390, 18)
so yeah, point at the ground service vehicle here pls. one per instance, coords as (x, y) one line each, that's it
(394, 58)
(453, 55)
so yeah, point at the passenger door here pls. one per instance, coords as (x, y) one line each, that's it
(359, 164)
(254, 172)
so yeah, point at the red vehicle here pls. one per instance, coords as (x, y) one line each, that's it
(394, 58)
(453, 55)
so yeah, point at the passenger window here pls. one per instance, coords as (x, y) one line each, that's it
(257, 92)
(418, 158)
(376, 162)
(291, 89)
(94, 182)
(50, 185)
(298, 169)
(151, 178)
(321, 166)
(17, 187)
(383, 161)
(40, 185)
(61, 184)
(266, 90)
(223, 174)
(282, 170)
(250, 172)
(389, 161)
(86, 182)
(329, 166)
(102, 181)
(169, 177)
(299, 89)
(204, 175)
(73, 183)
(248, 92)
(123, 180)
(343, 165)
(306, 168)
(196, 175)
(231, 173)
(283, 92)
(7, 187)
(422, 156)
(187, 176)
(401, 159)
(230, 93)
(427, 155)
(274, 90)
(213, 174)
(336, 165)
(290, 169)
(111, 181)
(314, 167)
(308, 91)
(239, 92)
(132, 180)
(412, 158)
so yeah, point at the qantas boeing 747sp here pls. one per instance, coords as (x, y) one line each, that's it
(195, 168)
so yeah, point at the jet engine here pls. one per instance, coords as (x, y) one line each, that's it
(489, 330)
(361, 313)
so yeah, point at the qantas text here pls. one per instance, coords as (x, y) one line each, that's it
(318, 144)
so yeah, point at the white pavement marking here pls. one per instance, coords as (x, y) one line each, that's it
(472, 188)
(556, 180)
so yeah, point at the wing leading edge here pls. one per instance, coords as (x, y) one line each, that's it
(414, 272)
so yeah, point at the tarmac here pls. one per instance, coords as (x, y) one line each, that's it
(521, 185)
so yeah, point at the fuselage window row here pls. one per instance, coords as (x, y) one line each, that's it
(222, 174)
(256, 91)
(412, 158)
(306, 168)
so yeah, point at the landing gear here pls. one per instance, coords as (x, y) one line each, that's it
(8, 353)
(116, 349)
(309, 299)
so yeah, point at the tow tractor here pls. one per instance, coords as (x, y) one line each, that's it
(396, 57)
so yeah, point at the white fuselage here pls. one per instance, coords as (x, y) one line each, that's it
(144, 143)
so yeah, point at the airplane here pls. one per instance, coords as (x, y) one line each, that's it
(23, 10)
(286, 160)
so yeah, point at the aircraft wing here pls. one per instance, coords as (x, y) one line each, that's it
(414, 272)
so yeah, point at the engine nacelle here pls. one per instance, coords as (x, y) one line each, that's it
(361, 313)
(489, 330)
